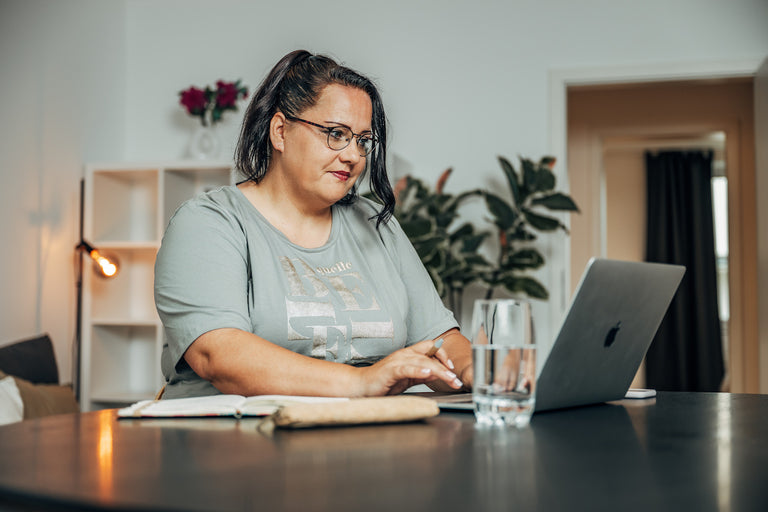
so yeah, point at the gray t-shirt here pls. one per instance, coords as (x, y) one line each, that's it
(356, 299)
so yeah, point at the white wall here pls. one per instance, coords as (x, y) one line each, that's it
(62, 102)
(462, 82)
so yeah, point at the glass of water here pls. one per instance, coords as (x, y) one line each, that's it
(504, 362)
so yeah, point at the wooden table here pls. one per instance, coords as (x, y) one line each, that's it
(680, 451)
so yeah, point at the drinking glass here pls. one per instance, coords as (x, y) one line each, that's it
(504, 361)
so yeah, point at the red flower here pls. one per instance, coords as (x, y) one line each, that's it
(226, 94)
(209, 104)
(194, 100)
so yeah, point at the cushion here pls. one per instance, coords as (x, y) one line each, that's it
(40, 400)
(46, 399)
(11, 407)
(31, 359)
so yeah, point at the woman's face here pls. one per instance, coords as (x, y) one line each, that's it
(318, 175)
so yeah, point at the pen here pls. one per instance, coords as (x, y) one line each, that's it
(432, 351)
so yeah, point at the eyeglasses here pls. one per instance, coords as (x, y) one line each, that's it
(339, 137)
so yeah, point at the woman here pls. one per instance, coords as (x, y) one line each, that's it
(289, 283)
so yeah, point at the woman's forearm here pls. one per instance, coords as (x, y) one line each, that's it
(242, 363)
(239, 362)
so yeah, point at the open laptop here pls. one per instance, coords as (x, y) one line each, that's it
(613, 317)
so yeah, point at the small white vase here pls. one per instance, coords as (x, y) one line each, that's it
(204, 144)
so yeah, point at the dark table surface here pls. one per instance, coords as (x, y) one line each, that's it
(679, 451)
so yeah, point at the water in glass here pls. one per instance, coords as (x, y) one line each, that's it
(504, 361)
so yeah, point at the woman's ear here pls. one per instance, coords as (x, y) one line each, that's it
(277, 131)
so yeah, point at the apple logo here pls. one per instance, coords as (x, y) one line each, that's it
(611, 336)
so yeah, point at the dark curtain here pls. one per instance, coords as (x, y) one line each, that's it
(686, 354)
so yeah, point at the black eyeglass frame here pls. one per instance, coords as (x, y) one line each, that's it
(329, 129)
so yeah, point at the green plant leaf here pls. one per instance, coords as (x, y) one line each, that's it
(462, 281)
(408, 203)
(478, 263)
(527, 285)
(547, 161)
(426, 247)
(541, 222)
(544, 181)
(471, 243)
(520, 234)
(455, 272)
(411, 184)
(438, 259)
(467, 195)
(525, 258)
(417, 228)
(504, 215)
(420, 191)
(463, 231)
(556, 201)
(530, 176)
(444, 219)
(512, 179)
(491, 278)
(432, 206)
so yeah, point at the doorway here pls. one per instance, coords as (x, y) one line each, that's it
(609, 128)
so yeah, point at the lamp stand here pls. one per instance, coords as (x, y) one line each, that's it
(79, 308)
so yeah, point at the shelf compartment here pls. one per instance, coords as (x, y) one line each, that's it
(125, 206)
(124, 362)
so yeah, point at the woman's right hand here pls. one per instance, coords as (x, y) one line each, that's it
(404, 368)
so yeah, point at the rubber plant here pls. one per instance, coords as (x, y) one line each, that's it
(452, 250)
(518, 223)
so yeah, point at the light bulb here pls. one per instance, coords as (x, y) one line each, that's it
(106, 265)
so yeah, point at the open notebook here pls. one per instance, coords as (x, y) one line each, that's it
(217, 405)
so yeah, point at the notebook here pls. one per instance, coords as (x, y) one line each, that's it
(610, 324)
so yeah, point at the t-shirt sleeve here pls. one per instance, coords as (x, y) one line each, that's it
(201, 275)
(427, 317)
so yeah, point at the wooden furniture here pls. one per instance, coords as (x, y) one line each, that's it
(680, 451)
(127, 208)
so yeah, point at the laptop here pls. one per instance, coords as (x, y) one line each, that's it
(610, 324)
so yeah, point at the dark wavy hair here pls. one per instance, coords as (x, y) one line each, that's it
(293, 85)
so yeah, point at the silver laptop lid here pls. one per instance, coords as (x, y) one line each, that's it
(613, 317)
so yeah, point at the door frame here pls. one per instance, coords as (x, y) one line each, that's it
(746, 363)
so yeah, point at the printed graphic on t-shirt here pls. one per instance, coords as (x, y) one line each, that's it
(335, 309)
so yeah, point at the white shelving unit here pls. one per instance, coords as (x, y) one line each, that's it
(127, 208)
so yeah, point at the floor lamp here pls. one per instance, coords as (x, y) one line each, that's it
(105, 266)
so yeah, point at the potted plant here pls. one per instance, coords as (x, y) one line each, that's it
(520, 221)
(452, 250)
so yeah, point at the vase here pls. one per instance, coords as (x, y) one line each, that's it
(204, 144)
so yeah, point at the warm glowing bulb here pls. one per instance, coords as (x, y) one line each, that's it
(105, 265)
